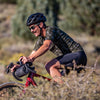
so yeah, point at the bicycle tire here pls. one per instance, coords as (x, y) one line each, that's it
(10, 87)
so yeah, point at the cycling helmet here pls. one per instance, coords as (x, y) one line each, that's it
(35, 18)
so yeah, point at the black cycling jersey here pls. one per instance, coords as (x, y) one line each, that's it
(62, 42)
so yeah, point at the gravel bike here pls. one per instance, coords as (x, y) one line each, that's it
(22, 71)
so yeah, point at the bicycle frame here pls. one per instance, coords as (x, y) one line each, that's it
(30, 79)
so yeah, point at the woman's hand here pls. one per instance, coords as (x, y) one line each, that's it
(25, 59)
(13, 68)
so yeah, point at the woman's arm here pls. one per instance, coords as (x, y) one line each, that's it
(45, 47)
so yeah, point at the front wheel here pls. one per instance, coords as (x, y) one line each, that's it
(10, 88)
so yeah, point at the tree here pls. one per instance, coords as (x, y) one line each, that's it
(83, 14)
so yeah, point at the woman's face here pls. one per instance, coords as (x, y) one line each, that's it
(35, 29)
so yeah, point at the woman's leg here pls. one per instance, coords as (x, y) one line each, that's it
(55, 64)
(52, 68)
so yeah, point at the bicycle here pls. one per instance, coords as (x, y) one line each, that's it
(8, 86)
(29, 80)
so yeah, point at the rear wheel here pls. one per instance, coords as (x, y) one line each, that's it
(10, 88)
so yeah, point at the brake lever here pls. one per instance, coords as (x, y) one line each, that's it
(28, 64)
(20, 63)
(9, 67)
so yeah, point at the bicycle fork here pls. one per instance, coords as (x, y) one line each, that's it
(30, 80)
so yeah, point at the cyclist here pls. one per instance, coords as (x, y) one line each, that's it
(57, 41)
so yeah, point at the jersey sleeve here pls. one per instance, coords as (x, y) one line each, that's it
(38, 44)
(50, 34)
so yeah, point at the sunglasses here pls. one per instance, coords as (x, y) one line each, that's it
(33, 27)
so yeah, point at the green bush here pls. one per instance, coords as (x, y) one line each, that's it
(67, 14)
(25, 8)
(82, 15)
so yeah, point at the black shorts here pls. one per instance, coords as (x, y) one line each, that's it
(67, 59)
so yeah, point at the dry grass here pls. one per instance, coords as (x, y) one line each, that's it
(83, 87)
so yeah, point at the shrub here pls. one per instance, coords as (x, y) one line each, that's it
(25, 8)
